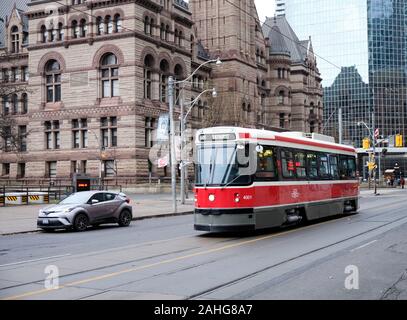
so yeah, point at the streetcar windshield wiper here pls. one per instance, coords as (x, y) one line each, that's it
(229, 183)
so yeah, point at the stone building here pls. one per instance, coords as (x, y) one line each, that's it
(98, 73)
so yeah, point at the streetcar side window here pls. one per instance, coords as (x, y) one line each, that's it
(333, 164)
(323, 167)
(300, 165)
(287, 164)
(351, 167)
(343, 167)
(266, 164)
(312, 165)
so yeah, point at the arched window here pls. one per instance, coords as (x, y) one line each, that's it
(147, 26)
(167, 32)
(164, 69)
(162, 31)
(117, 23)
(15, 40)
(281, 96)
(53, 81)
(200, 110)
(14, 103)
(99, 26)
(60, 32)
(148, 65)
(180, 35)
(75, 29)
(83, 28)
(108, 24)
(24, 103)
(110, 76)
(53, 35)
(6, 105)
(176, 36)
(263, 84)
(151, 27)
(179, 74)
(44, 34)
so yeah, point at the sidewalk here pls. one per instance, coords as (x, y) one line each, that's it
(22, 219)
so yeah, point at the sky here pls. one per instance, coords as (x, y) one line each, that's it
(265, 8)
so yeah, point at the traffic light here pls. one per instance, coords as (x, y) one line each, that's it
(399, 141)
(366, 143)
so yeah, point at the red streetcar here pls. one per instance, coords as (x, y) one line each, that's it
(249, 179)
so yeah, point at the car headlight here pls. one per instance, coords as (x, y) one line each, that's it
(67, 210)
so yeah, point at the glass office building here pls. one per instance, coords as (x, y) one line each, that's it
(362, 49)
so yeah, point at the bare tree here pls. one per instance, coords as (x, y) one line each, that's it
(225, 110)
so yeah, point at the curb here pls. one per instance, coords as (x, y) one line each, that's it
(134, 219)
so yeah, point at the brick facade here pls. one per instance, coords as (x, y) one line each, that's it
(149, 41)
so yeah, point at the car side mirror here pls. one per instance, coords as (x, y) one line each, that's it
(94, 201)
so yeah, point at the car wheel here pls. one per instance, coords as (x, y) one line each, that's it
(125, 218)
(81, 222)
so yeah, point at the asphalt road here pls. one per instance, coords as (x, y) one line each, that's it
(165, 258)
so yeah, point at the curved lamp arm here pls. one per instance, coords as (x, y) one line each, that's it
(192, 103)
(217, 61)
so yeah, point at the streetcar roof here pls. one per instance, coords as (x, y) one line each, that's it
(282, 138)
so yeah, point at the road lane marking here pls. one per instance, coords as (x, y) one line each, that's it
(110, 275)
(363, 246)
(34, 260)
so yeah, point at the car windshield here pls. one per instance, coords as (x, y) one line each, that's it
(76, 198)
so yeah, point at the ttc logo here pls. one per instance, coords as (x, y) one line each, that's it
(295, 194)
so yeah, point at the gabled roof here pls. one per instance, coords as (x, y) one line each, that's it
(6, 8)
(283, 39)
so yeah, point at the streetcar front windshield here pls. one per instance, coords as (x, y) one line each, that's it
(217, 165)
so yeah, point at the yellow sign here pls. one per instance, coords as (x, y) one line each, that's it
(366, 143)
(371, 166)
(399, 141)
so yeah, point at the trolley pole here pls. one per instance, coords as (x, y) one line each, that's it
(340, 125)
(173, 160)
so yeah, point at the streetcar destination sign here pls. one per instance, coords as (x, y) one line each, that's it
(217, 137)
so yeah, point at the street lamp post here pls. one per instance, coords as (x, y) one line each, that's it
(183, 120)
(171, 84)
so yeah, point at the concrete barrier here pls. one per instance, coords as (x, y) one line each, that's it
(19, 198)
(16, 198)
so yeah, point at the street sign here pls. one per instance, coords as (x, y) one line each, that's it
(163, 127)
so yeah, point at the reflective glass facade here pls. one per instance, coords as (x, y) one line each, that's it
(362, 49)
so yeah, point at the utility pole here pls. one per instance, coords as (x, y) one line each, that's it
(173, 160)
(182, 168)
(340, 125)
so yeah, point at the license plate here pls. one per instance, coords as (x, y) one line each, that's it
(45, 221)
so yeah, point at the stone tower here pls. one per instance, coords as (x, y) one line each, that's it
(231, 30)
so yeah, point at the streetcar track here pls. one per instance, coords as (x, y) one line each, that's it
(253, 274)
(332, 219)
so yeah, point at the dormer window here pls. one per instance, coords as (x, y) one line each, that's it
(15, 40)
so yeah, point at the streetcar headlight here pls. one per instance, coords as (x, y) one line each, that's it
(237, 197)
(211, 197)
